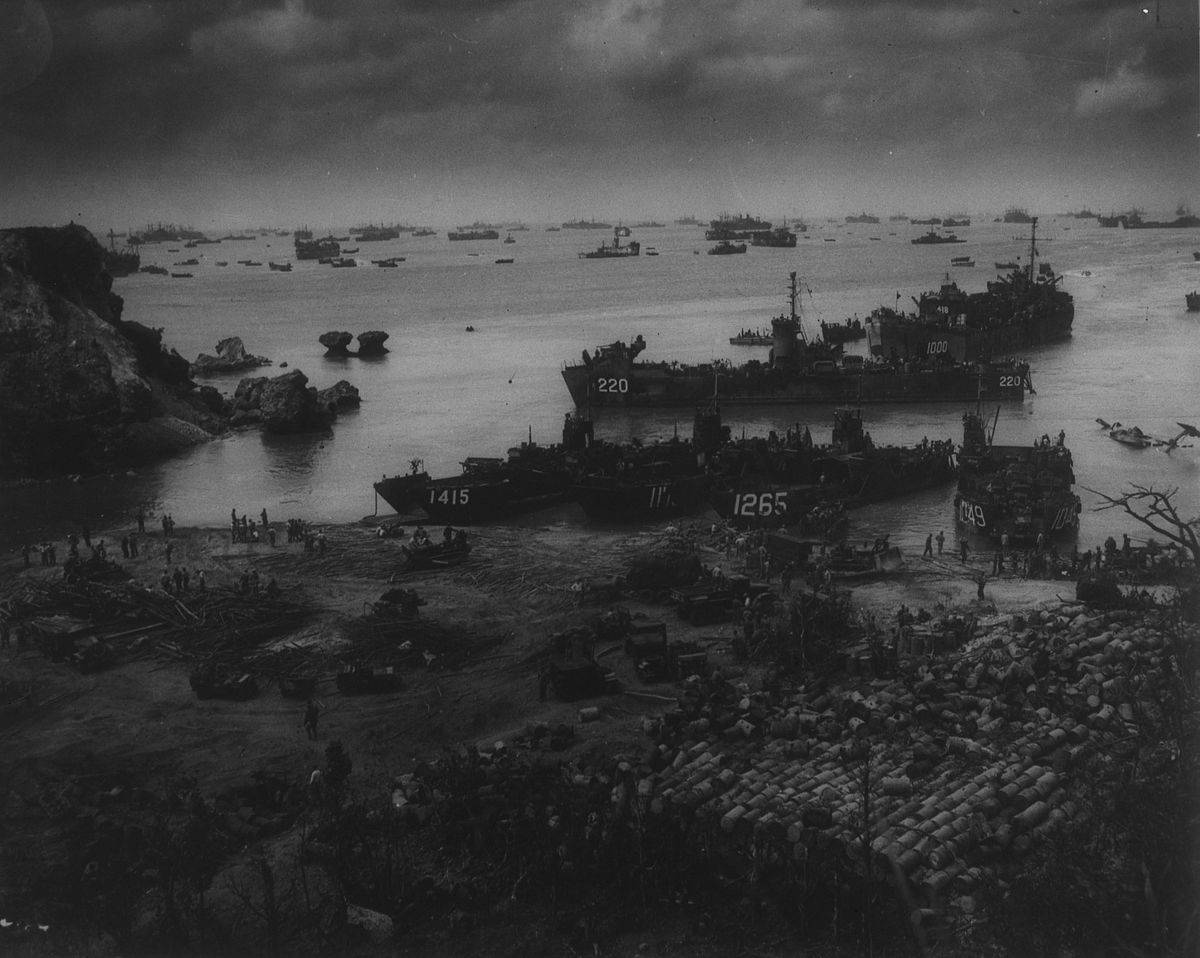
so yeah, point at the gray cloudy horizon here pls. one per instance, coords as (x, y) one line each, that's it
(333, 111)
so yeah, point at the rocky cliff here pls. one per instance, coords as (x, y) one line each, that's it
(84, 391)
(81, 390)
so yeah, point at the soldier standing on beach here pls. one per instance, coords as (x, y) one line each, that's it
(312, 712)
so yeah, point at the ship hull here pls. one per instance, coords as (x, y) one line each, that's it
(855, 480)
(762, 504)
(403, 493)
(645, 384)
(460, 501)
(1021, 491)
(977, 513)
(962, 344)
(617, 500)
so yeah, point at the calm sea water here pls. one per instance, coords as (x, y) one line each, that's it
(443, 393)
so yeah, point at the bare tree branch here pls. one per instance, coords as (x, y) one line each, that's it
(1155, 509)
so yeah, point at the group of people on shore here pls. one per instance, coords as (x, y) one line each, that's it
(250, 583)
(244, 529)
(179, 582)
(48, 551)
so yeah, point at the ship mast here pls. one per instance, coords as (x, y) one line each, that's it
(793, 315)
(1032, 245)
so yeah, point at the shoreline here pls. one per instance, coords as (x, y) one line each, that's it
(470, 679)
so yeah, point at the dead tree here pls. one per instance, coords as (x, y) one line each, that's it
(1155, 509)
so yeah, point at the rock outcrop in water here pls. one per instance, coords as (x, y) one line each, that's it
(286, 403)
(336, 343)
(339, 397)
(289, 404)
(81, 390)
(371, 343)
(231, 357)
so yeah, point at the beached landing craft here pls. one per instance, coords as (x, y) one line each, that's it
(661, 480)
(531, 477)
(1021, 491)
(797, 371)
(775, 480)
(404, 493)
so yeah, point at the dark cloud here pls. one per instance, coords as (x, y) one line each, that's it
(929, 94)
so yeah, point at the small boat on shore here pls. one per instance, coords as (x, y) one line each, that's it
(504, 259)
(181, 276)
(1193, 302)
(436, 555)
(280, 267)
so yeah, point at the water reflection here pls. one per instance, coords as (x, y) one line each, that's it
(293, 456)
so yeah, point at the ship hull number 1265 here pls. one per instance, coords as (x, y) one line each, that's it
(760, 504)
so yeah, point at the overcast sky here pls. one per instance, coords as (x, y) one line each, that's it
(445, 111)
